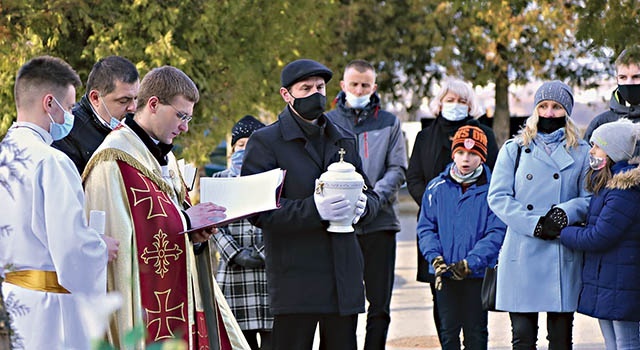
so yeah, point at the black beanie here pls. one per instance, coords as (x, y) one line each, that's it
(244, 128)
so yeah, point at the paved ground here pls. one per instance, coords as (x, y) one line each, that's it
(411, 309)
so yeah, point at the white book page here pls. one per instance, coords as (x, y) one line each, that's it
(243, 195)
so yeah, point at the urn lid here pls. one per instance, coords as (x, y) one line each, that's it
(341, 170)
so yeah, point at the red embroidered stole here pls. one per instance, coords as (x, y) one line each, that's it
(162, 258)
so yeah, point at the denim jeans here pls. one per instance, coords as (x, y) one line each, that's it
(460, 308)
(620, 335)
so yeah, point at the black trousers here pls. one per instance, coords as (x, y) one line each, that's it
(436, 312)
(379, 253)
(460, 309)
(296, 331)
(524, 330)
(252, 338)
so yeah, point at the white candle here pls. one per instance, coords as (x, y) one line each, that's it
(97, 220)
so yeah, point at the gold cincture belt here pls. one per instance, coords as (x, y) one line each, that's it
(44, 281)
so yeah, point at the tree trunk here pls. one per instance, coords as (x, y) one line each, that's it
(501, 117)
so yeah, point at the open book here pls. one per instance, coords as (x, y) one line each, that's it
(242, 196)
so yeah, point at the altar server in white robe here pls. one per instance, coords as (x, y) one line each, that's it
(49, 256)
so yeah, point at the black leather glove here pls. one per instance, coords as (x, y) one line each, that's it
(459, 270)
(248, 258)
(550, 225)
(439, 267)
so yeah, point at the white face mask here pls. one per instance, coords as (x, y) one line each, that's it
(453, 111)
(597, 163)
(357, 102)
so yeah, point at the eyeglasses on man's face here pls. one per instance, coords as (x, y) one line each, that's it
(181, 115)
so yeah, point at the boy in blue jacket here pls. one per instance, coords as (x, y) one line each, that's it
(461, 236)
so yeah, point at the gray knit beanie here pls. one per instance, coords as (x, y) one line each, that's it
(556, 91)
(617, 139)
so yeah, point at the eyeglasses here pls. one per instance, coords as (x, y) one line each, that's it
(183, 117)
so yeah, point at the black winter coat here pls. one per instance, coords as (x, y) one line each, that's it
(309, 270)
(85, 136)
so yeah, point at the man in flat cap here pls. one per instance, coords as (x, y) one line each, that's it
(314, 276)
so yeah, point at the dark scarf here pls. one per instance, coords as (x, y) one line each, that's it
(313, 131)
(440, 137)
(159, 150)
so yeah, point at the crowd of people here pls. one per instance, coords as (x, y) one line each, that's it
(554, 210)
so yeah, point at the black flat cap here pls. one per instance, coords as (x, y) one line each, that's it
(302, 69)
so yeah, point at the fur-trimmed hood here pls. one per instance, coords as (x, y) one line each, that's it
(626, 178)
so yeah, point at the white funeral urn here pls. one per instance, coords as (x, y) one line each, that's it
(341, 178)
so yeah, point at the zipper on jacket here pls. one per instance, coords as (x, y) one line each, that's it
(366, 145)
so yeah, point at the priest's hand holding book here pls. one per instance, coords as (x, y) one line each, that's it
(203, 215)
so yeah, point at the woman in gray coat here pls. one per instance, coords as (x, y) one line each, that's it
(537, 189)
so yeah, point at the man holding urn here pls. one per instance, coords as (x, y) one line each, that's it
(314, 276)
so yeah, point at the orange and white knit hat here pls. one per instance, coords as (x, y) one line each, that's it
(471, 139)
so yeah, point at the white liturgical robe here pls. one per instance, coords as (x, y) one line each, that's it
(43, 228)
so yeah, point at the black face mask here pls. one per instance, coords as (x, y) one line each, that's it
(630, 93)
(549, 125)
(310, 107)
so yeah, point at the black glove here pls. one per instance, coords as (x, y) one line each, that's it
(459, 270)
(248, 258)
(550, 225)
(439, 267)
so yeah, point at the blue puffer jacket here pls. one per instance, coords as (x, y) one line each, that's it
(611, 242)
(458, 225)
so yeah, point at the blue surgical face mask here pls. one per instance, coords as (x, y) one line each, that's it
(60, 131)
(357, 102)
(236, 162)
(113, 122)
(453, 111)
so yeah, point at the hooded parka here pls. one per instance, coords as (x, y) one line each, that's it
(611, 242)
(618, 108)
